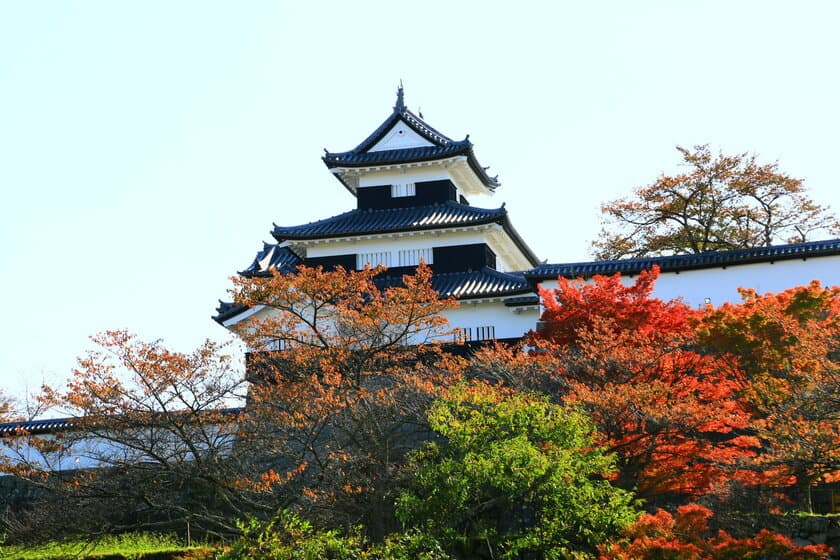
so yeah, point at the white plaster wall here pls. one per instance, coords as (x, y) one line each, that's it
(455, 170)
(721, 284)
(509, 322)
(419, 241)
(82, 455)
(93, 452)
(403, 175)
(400, 136)
(508, 255)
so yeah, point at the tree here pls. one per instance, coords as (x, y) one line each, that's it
(574, 308)
(671, 414)
(786, 343)
(687, 537)
(339, 409)
(148, 445)
(513, 476)
(323, 427)
(721, 202)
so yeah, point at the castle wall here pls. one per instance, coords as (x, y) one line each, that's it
(721, 284)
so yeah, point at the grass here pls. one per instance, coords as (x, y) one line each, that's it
(128, 546)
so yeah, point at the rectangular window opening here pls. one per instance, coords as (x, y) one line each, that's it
(400, 190)
(485, 333)
(375, 258)
(412, 257)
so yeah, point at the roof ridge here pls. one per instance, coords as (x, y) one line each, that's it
(743, 255)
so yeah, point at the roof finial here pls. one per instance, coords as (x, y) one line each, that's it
(400, 106)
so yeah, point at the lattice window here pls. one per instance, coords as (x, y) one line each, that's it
(399, 190)
(412, 257)
(485, 333)
(374, 259)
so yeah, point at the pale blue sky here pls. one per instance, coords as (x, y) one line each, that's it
(147, 147)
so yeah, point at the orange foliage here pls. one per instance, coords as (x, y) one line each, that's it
(787, 345)
(661, 536)
(672, 415)
(342, 405)
(573, 308)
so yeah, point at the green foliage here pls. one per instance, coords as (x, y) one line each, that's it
(288, 537)
(515, 474)
(411, 545)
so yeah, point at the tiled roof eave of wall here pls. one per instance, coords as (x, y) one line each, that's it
(63, 425)
(699, 261)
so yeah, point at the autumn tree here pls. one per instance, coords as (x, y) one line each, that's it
(166, 440)
(787, 345)
(511, 476)
(671, 414)
(147, 444)
(686, 536)
(721, 202)
(340, 407)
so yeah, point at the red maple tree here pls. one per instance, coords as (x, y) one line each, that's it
(686, 536)
(786, 343)
(671, 414)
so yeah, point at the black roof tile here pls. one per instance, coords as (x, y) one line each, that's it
(388, 157)
(226, 309)
(364, 222)
(56, 425)
(273, 256)
(672, 263)
(36, 427)
(472, 284)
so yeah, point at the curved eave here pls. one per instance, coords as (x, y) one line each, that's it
(227, 311)
(347, 162)
(353, 160)
(380, 231)
(431, 217)
(272, 256)
(678, 263)
(519, 242)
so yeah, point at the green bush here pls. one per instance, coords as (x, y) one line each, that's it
(412, 545)
(515, 475)
(288, 537)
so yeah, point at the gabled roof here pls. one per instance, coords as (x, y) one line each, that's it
(364, 222)
(472, 284)
(674, 263)
(442, 147)
(273, 256)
